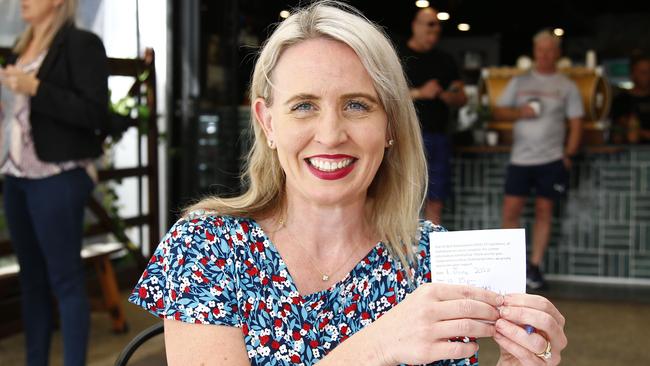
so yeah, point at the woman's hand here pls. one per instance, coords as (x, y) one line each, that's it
(418, 329)
(18, 81)
(517, 346)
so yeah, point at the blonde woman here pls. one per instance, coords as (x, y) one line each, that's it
(323, 259)
(54, 100)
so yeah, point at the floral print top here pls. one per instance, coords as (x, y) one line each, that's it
(224, 270)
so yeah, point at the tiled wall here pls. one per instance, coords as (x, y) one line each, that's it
(601, 229)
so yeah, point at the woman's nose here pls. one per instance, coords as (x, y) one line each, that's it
(331, 129)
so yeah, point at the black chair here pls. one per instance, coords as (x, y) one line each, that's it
(138, 341)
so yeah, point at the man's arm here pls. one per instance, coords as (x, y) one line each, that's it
(512, 114)
(429, 90)
(574, 112)
(573, 140)
(575, 135)
(506, 108)
(455, 96)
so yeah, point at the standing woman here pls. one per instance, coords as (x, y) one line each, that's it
(54, 105)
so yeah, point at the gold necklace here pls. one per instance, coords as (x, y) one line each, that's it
(324, 276)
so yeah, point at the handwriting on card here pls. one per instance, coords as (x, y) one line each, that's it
(490, 259)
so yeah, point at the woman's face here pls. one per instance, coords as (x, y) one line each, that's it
(35, 11)
(326, 121)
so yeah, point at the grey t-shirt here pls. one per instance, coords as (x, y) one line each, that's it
(540, 140)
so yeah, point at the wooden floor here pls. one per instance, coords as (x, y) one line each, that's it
(612, 330)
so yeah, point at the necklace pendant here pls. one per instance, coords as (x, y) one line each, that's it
(325, 278)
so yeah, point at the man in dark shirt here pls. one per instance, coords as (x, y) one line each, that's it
(634, 104)
(435, 86)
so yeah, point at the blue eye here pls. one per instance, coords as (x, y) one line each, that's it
(302, 107)
(357, 106)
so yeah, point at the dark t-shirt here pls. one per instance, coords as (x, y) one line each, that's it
(625, 103)
(422, 67)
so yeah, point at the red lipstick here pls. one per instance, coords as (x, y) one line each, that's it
(333, 175)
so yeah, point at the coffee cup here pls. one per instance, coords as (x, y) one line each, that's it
(536, 106)
(492, 138)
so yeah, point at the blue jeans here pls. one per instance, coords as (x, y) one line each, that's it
(438, 151)
(45, 221)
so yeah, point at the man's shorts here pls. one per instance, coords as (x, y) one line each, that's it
(438, 151)
(550, 180)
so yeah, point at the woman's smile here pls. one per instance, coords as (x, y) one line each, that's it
(331, 167)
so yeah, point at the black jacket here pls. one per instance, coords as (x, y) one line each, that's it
(69, 112)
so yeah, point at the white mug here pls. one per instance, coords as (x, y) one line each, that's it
(536, 106)
(492, 138)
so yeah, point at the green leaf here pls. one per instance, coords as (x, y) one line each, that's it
(143, 76)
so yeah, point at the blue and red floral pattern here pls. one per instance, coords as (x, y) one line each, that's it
(224, 270)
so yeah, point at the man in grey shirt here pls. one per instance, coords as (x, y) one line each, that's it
(539, 103)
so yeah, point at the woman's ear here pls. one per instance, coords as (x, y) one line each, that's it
(263, 117)
(389, 138)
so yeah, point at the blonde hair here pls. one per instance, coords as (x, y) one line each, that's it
(65, 14)
(399, 187)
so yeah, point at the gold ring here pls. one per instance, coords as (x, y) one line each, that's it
(545, 354)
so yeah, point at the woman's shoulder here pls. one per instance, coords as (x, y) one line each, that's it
(209, 220)
(77, 36)
(205, 237)
(72, 30)
(425, 228)
(197, 225)
(191, 275)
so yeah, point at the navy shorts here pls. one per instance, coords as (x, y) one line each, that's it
(550, 180)
(438, 151)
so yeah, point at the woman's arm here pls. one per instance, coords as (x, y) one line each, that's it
(418, 329)
(415, 331)
(203, 344)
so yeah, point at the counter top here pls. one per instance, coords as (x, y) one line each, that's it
(597, 149)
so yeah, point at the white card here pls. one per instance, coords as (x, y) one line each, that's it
(490, 259)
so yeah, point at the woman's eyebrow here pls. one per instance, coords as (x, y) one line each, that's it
(370, 97)
(301, 96)
(307, 96)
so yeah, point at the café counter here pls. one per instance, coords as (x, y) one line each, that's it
(601, 230)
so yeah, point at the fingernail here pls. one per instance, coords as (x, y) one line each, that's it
(529, 329)
(504, 311)
(499, 324)
(500, 300)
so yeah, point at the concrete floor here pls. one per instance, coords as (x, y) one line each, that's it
(104, 345)
(612, 330)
